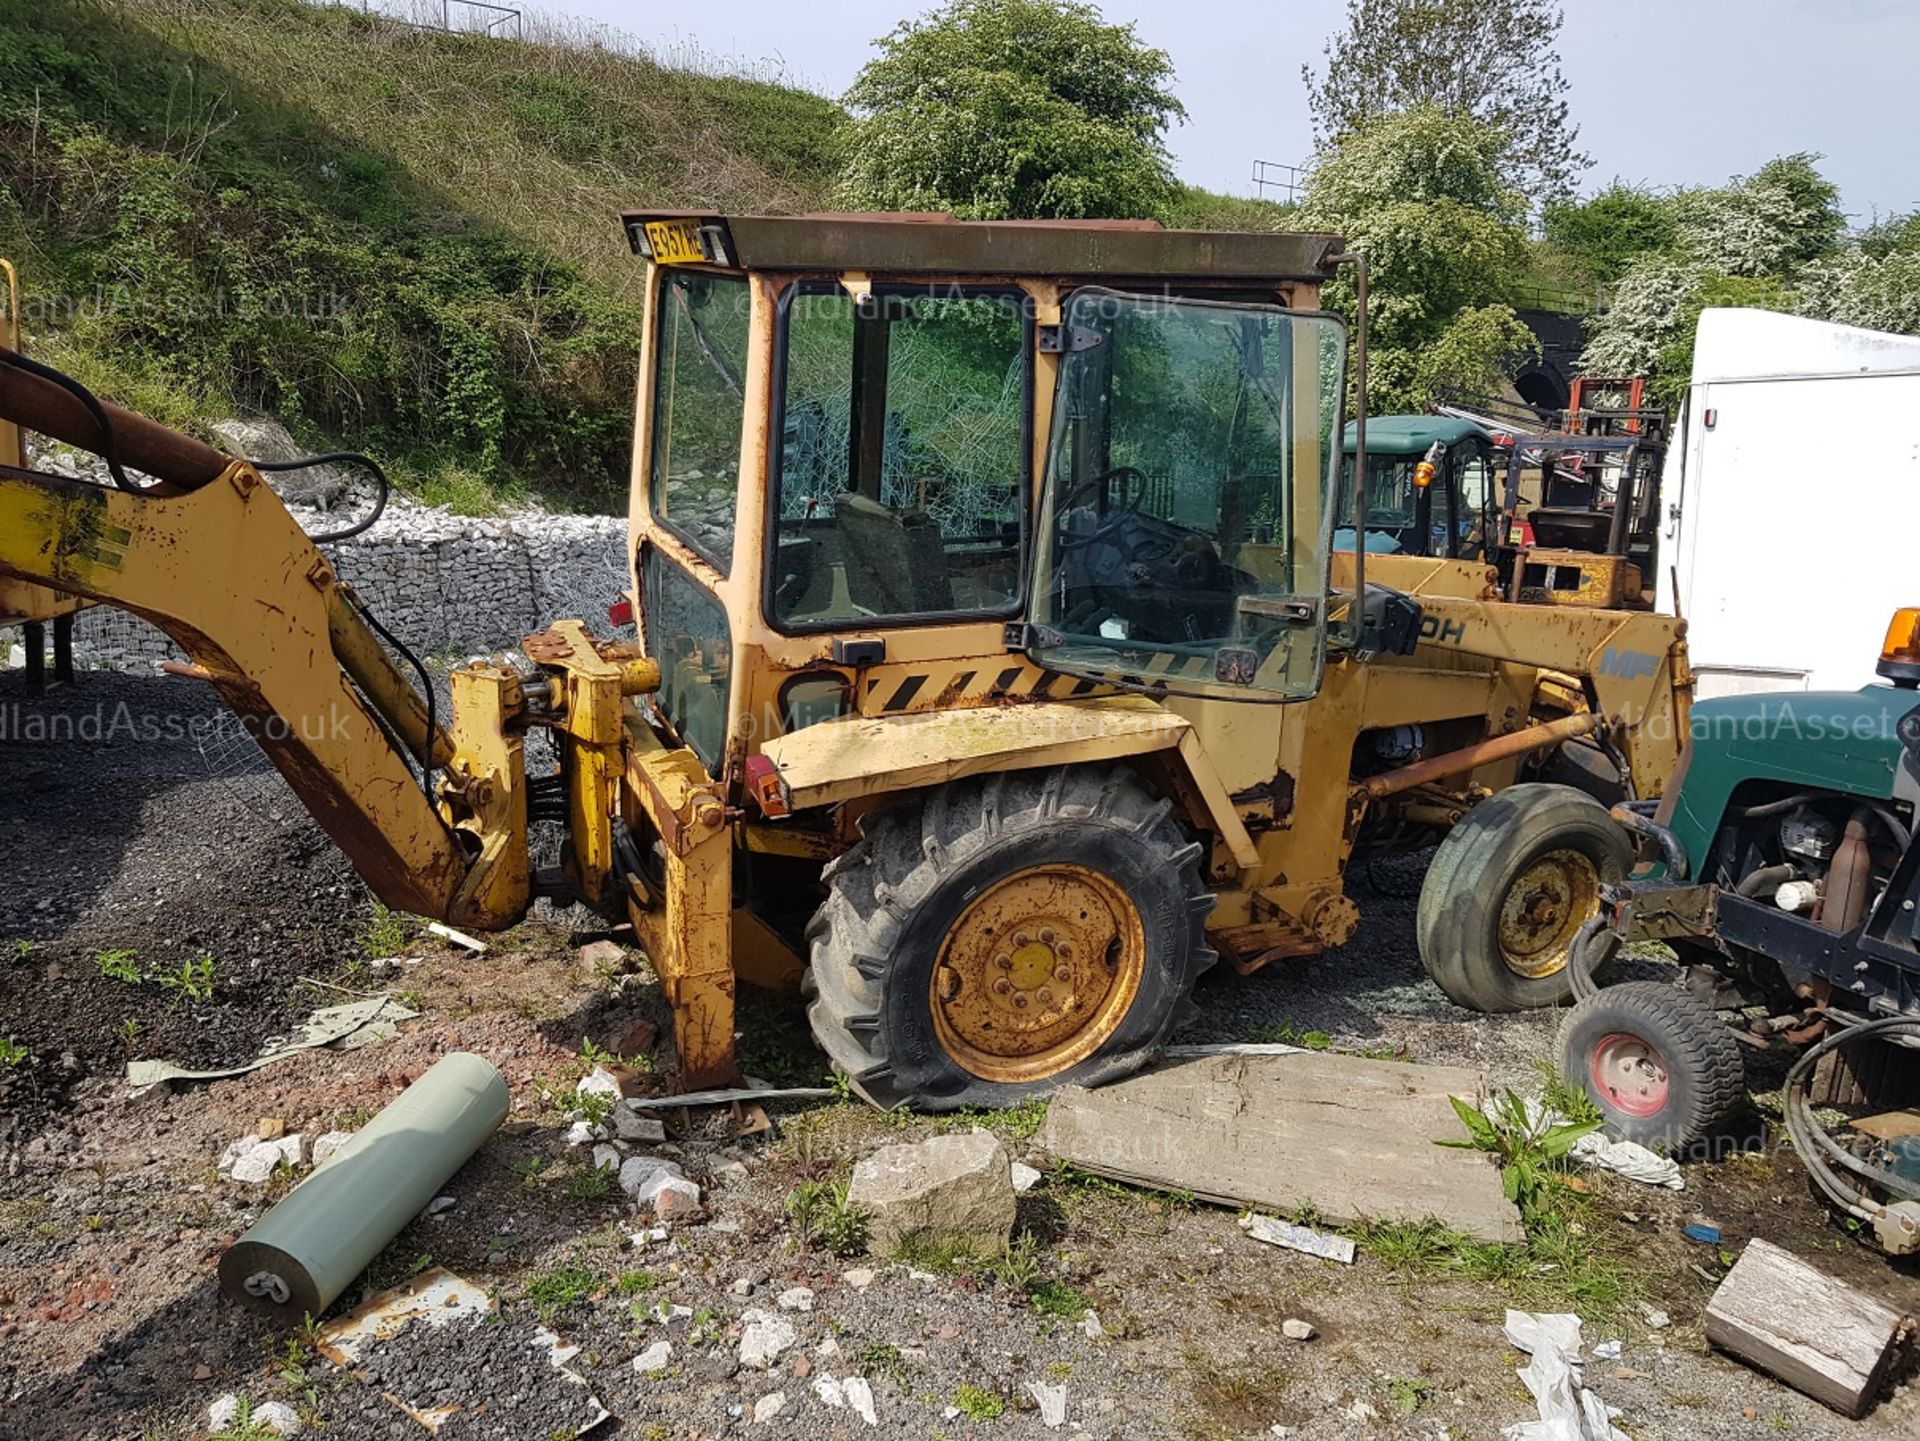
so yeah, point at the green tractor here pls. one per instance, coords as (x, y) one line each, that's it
(1430, 487)
(1780, 868)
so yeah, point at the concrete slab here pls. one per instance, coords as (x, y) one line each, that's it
(1351, 1138)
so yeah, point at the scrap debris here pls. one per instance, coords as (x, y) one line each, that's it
(1833, 1342)
(1298, 1238)
(1553, 1373)
(459, 938)
(420, 1345)
(343, 1028)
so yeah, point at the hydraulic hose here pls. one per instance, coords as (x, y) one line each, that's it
(1819, 1152)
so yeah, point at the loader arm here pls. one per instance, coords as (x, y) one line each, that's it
(211, 556)
(1631, 664)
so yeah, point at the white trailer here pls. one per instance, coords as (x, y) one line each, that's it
(1792, 490)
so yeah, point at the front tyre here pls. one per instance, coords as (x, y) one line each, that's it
(997, 938)
(1663, 1069)
(1509, 889)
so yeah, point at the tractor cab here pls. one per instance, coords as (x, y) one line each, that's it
(867, 443)
(1430, 488)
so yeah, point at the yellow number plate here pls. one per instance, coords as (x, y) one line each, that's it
(675, 242)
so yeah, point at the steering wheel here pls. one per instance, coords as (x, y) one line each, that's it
(1132, 496)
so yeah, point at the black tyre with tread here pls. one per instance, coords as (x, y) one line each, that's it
(1704, 1070)
(1479, 863)
(893, 897)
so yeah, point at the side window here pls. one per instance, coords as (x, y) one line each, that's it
(902, 457)
(699, 399)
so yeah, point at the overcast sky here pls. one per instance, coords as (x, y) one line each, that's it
(1665, 92)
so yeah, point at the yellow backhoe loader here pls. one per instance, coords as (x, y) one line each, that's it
(994, 670)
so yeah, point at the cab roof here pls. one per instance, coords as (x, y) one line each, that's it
(908, 242)
(1412, 434)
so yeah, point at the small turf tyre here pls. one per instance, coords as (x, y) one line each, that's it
(1507, 891)
(922, 884)
(1663, 1069)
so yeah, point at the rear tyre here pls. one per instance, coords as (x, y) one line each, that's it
(1509, 889)
(1663, 1069)
(1000, 937)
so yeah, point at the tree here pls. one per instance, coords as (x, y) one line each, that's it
(1495, 60)
(1420, 192)
(1785, 214)
(1768, 241)
(1607, 232)
(1012, 108)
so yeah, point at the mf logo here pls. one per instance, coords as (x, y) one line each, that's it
(1446, 632)
(1628, 665)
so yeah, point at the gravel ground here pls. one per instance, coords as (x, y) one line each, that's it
(112, 1215)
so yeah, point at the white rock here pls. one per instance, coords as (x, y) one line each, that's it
(796, 1298)
(234, 1151)
(256, 1166)
(829, 1391)
(1362, 1411)
(654, 1359)
(673, 1198)
(1090, 1326)
(277, 1417)
(637, 1172)
(860, 1398)
(274, 1416)
(769, 1406)
(827, 1349)
(1053, 1403)
(607, 1157)
(1025, 1178)
(1655, 1317)
(765, 1338)
(580, 1133)
(631, 1125)
(741, 1287)
(730, 1173)
(860, 1277)
(640, 1240)
(326, 1147)
(440, 1205)
(599, 1082)
(1295, 1329)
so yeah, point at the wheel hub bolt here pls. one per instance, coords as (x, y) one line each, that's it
(1046, 995)
(1061, 973)
(1005, 963)
(1020, 1001)
(1002, 986)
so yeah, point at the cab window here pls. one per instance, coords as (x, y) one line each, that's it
(699, 399)
(901, 456)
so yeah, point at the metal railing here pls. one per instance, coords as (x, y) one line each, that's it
(456, 17)
(1285, 182)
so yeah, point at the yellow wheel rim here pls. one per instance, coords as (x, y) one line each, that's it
(1037, 973)
(1544, 909)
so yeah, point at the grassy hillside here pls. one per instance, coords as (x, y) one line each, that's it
(391, 236)
(397, 236)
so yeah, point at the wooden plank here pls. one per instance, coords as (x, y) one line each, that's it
(1793, 1321)
(1350, 1138)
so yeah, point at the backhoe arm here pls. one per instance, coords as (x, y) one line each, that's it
(214, 559)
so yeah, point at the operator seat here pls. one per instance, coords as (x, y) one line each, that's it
(894, 561)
